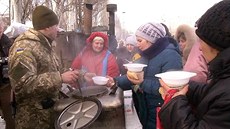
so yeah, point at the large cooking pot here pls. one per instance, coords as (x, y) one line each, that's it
(82, 107)
(107, 96)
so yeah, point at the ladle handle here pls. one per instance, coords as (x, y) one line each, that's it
(79, 87)
(113, 89)
(63, 94)
(77, 82)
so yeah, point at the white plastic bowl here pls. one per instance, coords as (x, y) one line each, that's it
(100, 80)
(135, 67)
(176, 79)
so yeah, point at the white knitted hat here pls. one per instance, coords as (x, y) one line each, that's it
(151, 31)
(131, 40)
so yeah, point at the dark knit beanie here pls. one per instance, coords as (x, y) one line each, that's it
(43, 17)
(151, 31)
(214, 26)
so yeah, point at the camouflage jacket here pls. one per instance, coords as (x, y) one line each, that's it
(34, 72)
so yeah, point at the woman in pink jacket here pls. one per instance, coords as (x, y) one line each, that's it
(197, 63)
(193, 58)
(96, 58)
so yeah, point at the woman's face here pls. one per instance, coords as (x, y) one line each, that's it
(130, 47)
(182, 44)
(97, 46)
(142, 43)
(208, 52)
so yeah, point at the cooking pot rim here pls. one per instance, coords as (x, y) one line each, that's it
(91, 91)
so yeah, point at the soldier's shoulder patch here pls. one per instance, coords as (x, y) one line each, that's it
(19, 50)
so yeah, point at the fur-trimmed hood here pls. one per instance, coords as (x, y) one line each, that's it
(190, 36)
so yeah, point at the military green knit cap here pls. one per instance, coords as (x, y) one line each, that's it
(43, 17)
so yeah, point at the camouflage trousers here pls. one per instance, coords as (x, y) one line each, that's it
(30, 117)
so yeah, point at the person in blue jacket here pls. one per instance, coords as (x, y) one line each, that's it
(160, 54)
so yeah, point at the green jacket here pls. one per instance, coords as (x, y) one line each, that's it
(35, 74)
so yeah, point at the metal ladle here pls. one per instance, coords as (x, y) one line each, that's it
(78, 84)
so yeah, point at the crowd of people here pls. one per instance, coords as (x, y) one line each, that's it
(35, 75)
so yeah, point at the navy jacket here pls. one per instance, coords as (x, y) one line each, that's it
(162, 56)
(168, 59)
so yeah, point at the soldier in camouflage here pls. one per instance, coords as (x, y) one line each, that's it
(35, 72)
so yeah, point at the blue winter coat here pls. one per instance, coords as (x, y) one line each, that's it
(158, 61)
(168, 59)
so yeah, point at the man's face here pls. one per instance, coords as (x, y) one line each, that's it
(208, 52)
(52, 32)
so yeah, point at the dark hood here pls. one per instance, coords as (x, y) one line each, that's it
(160, 45)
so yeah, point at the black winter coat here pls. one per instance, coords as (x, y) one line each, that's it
(204, 107)
(5, 45)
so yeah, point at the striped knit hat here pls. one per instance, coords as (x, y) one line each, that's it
(151, 31)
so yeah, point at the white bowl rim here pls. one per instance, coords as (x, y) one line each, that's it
(101, 77)
(134, 65)
(187, 75)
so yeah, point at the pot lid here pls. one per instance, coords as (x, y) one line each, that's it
(79, 114)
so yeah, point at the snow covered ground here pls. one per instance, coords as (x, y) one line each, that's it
(2, 123)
